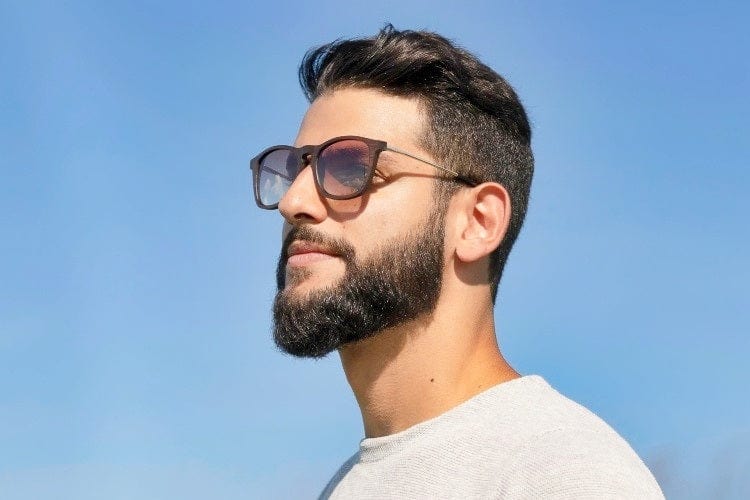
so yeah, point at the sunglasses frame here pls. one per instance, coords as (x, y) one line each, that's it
(309, 155)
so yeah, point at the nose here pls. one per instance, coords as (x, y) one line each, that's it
(302, 202)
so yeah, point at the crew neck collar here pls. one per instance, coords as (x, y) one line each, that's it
(374, 449)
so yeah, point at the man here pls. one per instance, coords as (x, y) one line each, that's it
(402, 197)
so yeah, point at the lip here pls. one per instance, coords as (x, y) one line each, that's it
(302, 252)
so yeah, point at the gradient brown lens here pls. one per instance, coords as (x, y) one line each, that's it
(344, 167)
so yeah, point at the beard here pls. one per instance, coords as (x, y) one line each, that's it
(398, 282)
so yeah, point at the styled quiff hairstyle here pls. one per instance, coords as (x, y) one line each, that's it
(475, 123)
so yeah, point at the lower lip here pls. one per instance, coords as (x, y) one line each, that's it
(302, 259)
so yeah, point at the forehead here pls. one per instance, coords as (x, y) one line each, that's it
(363, 112)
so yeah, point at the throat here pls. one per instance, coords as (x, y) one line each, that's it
(400, 379)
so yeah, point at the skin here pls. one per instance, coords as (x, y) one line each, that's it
(422, 368)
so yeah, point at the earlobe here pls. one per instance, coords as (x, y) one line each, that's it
(486, 218)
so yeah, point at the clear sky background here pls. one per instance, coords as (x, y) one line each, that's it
(136, 275)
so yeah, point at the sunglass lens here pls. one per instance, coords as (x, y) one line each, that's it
(277, 171)
(344, 167)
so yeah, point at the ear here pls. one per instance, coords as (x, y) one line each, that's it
(485, 219)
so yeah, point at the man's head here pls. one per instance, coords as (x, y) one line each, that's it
(473, 119)
(353, 267)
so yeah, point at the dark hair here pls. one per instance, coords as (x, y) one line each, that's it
(476, 124)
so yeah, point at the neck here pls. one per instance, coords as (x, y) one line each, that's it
(423, 368)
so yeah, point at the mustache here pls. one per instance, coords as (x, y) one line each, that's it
(336, 246)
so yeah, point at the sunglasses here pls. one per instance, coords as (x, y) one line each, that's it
(343, 168)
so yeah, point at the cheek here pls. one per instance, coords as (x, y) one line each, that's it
(374, 231)
(406, 208)
(346, 210)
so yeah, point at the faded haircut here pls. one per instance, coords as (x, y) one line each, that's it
(476, 124)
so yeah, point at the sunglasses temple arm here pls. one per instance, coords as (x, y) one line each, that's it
(456, 175)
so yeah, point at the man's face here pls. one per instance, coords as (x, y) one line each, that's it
(351, 268)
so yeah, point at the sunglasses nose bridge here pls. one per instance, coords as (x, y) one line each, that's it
(306, 159)
(305, 154)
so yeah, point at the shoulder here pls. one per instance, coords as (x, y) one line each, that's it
(556, 448)
(579, 463)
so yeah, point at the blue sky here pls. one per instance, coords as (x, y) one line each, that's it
(136, 276)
